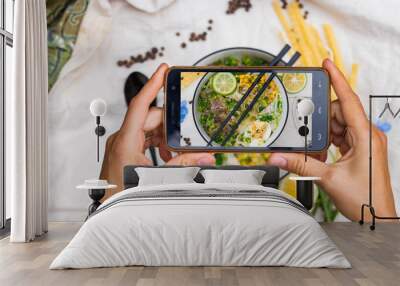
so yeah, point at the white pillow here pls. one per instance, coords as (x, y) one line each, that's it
(164, 176)
(248, 177)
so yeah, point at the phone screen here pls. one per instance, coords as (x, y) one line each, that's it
(248, 109)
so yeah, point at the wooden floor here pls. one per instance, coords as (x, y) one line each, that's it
(375, 257)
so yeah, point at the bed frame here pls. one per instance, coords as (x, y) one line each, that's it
(270, 179)
(304, 185)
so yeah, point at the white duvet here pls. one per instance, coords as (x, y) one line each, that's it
(187, 231)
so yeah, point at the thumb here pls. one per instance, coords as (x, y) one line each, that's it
(190, 159)
(295, 163)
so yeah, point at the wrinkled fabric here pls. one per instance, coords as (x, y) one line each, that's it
(63, 22)
(200, 231)
(150, 6)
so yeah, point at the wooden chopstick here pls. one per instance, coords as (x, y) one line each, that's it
(274, 62)
(291, 62)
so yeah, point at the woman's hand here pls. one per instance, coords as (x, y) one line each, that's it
(142, 127)
(346, 181)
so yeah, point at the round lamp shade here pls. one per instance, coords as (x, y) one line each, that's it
(98, 107)
(305, 107)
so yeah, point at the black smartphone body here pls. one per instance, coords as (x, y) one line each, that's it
(240, 109)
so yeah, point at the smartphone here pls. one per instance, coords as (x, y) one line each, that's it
(246, 109)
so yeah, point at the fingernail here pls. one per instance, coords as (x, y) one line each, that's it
(157, 70)
(205, 161)
(161, 66)
(328, 61)
(278, 161)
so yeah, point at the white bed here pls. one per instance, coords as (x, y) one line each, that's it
(201, 224)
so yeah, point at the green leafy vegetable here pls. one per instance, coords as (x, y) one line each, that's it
(266, 117)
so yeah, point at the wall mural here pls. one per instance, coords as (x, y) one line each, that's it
(295, 25)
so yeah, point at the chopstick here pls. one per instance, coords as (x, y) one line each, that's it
(291, 62)
(274, 62)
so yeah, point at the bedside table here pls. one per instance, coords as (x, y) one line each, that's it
(96, 190)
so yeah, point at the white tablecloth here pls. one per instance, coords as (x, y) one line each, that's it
(368, 33)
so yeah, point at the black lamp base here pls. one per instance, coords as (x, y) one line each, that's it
(96, 195)
(304, 193)
(100, 130)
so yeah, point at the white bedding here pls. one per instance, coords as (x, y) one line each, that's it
(190, 230)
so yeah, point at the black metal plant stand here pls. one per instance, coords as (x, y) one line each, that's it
(370, 205)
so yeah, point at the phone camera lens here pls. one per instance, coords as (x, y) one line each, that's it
(173, 88)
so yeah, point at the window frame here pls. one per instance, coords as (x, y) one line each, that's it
(6, 39)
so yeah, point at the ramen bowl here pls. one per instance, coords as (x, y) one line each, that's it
(266, 120)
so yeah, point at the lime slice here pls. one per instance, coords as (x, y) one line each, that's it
(294, 82)
(224, 83)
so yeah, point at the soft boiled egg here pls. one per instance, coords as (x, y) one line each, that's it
(256, 134)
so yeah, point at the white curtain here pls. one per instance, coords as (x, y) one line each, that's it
(26, 123)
